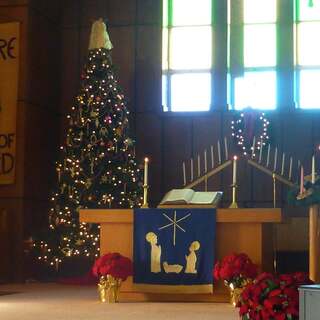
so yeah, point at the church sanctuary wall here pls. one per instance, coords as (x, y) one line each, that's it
(23, 204)
(168, 139)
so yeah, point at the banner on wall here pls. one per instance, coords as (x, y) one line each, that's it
(9, 71)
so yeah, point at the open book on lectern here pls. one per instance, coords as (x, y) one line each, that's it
(189, 196)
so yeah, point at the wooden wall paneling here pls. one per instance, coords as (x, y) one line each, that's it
(262, 185)
(70, 68)
(148, 69)
(149, 144)
(70, 15)
(50, 9)
(14, 240)
(206, 132)
(177, 147)
(41, 147)
(149, 12)
(44, 63)
(316, 135)
(123, 55)
(121, 12)
(226, 175)
(91, 10)
(14, 3)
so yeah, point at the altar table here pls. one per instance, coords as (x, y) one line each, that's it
(237, 230)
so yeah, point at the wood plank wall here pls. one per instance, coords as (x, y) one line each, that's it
(24, 205)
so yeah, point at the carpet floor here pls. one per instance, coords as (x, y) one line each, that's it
(63, 302)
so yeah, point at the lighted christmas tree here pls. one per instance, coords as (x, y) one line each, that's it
(97, 167)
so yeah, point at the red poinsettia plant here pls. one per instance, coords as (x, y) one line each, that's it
(272, 297)
(235, 269)
(113, 264)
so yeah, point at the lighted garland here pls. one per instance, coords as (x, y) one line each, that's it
(248, 128)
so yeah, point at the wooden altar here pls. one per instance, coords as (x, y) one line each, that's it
(238, 230)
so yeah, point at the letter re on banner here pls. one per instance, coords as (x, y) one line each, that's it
(9, 72)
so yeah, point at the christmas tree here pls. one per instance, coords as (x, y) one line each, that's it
(97, 167)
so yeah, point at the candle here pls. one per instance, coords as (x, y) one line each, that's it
(234, 175)
(191, 169)
(268, 156)
(290, 168)
(301, 180)
(226, 147)
(282, 165)
(275, 160)
(260, 154)
(219, 152)
(212, 157)
(146, 161)
(253, 146)
(198, 165)
(205, 161)
(313, 170)
(184, 173)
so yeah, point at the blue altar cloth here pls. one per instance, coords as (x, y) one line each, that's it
(174, 248)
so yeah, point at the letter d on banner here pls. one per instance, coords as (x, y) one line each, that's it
(9, 70)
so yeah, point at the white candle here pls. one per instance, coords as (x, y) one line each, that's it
(198, 165)
(205, 161)
(226, 147)
(212, 157)
(146, 161)
(313, 170)
(260, 154)
(219, 152)
(184, 173)
(268, 156)
(253, 146)
(282, 164)
(275, 160)
(290, 168)
(301, 180)
(191, 169)
(234, 175)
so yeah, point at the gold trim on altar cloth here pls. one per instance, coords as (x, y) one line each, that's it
(187, 289)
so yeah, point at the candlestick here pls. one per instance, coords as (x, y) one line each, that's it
(191, 169)
(290, 169)
(234, 183)
(212, 157)
(205, 161)
(268, 156)
(234, 175)
(253, 146)
(199, 165)
(260, 154)
(301, 180)
(282, 164)
(274, 189)
(184, 173)
(219, 152)
(145, 184)
(226, 148)
(313, 170)
(146, 162)
(275, 160)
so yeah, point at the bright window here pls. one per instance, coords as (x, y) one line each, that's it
(187, 55)
(254, 82)
(307, 59)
